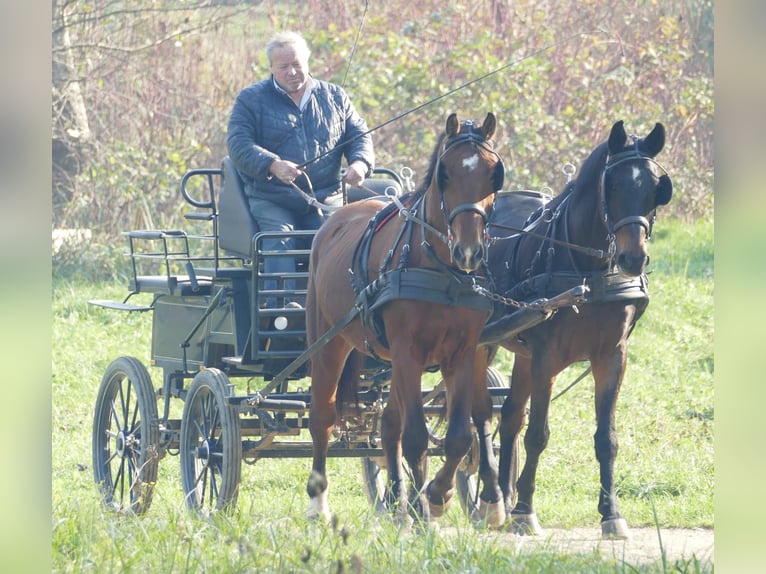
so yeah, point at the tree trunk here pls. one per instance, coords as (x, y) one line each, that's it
(71, 135)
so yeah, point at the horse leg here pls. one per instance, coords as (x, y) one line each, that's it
(512, 417)
(414, 447)
(403, 430)
(523, 517)
(326, 367)
(457, 442)
(491, 509)
(608, 377)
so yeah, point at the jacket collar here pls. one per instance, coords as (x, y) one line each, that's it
(310, 87)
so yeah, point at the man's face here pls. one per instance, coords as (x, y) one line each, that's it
(289, 69)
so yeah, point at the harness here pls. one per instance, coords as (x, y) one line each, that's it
(444, 285)
(603, 285)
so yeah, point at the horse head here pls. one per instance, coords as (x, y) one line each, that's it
(468, 174)
(632, 186)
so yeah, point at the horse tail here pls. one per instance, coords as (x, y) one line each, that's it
(348, 385)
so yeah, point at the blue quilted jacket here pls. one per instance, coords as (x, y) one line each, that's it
(266, 125)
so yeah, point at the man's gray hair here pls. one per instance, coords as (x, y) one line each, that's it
(284, 39)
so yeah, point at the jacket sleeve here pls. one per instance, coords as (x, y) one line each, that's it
(250, 158)
(360, 146)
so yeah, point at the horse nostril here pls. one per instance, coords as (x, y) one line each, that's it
(632, 264)
(478, 255)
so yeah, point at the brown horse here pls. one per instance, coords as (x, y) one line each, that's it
(595, 233)
(404, 286)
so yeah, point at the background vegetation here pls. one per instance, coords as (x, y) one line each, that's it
(143, 93)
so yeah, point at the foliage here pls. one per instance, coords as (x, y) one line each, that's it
(158, 84)
(666, 405)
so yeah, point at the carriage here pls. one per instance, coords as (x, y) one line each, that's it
(210, 329)
(215, 338)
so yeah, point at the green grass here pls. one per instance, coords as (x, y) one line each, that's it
(664, 469)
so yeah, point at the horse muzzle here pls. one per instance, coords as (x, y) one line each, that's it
(468, 253)
(632, 257)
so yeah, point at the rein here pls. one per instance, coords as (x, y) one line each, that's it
(450, 92)
(597, 253)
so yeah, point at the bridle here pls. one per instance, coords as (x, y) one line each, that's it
(475, 137)
(611, 162)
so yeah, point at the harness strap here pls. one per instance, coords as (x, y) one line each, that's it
(428, 285)
(602, 286)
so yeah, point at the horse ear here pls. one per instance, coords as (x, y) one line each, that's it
(655, 141)
(489, 126)
(452, 125)
(618, 139)
(664, 191)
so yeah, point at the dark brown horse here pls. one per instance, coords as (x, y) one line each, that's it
(401, 275)
(595, 233)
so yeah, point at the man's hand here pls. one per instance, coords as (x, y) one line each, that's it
(355, 173)
(284, 170)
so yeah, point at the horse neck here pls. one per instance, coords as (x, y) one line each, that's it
(433, 215)
(582, 225)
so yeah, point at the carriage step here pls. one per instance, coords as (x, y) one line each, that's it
(120, 306)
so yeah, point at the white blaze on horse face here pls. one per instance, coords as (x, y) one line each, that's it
(636, 175)
(470, 163)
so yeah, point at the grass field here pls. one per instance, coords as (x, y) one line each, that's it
(664, 470)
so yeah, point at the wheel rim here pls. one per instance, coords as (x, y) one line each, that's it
(125, 437)
(211, 448)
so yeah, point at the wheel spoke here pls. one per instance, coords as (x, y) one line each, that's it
(203, 477)
(119, 481)
(109, 459)
(136, 418)
(214, 487)
(115, 414)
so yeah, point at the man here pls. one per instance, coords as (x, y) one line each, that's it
(287, 137)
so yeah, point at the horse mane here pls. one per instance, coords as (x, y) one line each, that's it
(590, 171)
(431, 166)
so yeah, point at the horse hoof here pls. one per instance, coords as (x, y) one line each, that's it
(319, 510)
(489, 514)
(315, 516)
(526, 525)
(615, 529)
(438, 510)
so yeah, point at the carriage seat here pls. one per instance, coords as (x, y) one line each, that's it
(236, 227)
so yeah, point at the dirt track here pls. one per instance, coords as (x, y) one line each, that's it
(642, 548)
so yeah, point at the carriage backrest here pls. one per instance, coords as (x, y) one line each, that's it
(236, 227)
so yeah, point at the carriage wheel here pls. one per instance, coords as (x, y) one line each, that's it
(374, 477)
(467, 481)
(211, 445)
(126, 437)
